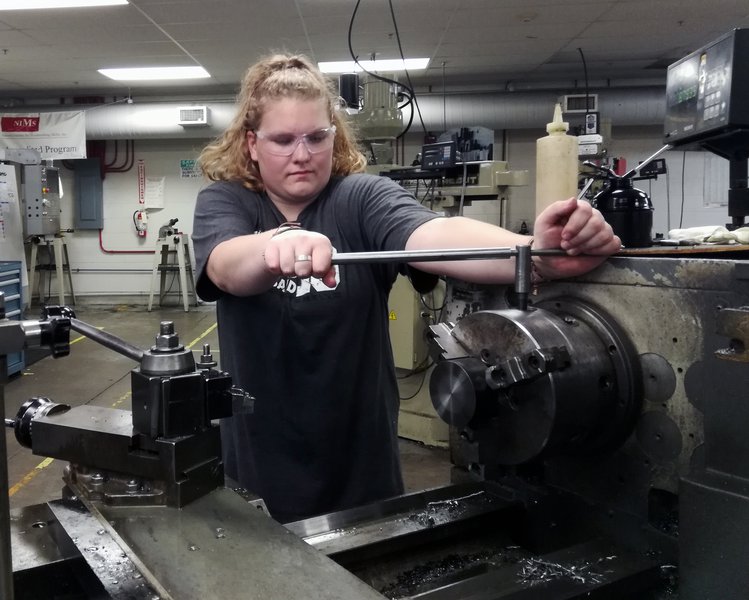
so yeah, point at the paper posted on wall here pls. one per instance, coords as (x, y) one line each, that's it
(154, 196)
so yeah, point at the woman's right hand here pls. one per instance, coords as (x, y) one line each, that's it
(300, 253)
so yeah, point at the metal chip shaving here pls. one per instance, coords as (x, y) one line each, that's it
(535, 570)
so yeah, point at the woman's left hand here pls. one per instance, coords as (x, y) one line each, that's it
(578, 229)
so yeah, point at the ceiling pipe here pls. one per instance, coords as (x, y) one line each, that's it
(528, 110)
(494, 110)
(154, 120)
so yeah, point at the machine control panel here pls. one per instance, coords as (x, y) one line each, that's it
(439, 155)
(707, 91)
(41, 199)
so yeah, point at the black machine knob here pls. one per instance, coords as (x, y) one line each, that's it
(30, 410)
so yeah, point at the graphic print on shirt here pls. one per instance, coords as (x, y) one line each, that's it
(301, 286)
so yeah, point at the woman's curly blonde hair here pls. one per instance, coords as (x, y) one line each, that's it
(272, 78)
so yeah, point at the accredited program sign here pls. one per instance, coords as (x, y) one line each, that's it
(54, 135)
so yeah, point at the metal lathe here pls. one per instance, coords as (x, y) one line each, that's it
(598, 438)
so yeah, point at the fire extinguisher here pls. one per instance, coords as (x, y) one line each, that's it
(140, 220)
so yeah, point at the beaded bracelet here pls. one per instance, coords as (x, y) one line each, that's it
(287, 226)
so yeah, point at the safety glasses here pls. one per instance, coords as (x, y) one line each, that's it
(285, 144)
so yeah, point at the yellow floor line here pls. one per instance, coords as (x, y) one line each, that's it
(202, 335)
(120, 400)
(82, 337)
(29, 476)
(48, 461)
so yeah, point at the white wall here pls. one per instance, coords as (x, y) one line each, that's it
(98, 272)
(127, 271)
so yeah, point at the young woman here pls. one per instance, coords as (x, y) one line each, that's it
(308, 339)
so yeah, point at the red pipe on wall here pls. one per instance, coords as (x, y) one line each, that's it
(103, 249)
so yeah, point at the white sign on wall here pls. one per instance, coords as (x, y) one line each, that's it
(55, 135)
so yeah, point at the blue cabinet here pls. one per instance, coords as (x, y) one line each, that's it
(10, 286)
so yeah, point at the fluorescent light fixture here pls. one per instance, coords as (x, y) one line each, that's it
(390, 64)
(155, 73)
(32, 4)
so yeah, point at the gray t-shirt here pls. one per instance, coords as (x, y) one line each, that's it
(323, 436)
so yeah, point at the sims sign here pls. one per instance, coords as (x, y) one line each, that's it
(54, 135)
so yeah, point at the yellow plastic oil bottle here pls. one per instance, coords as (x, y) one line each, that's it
(556, 163)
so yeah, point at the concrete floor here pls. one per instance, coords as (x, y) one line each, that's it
(95, 375)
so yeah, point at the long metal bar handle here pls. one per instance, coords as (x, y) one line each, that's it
(401, 256)
(523, 262)
(107, 340)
